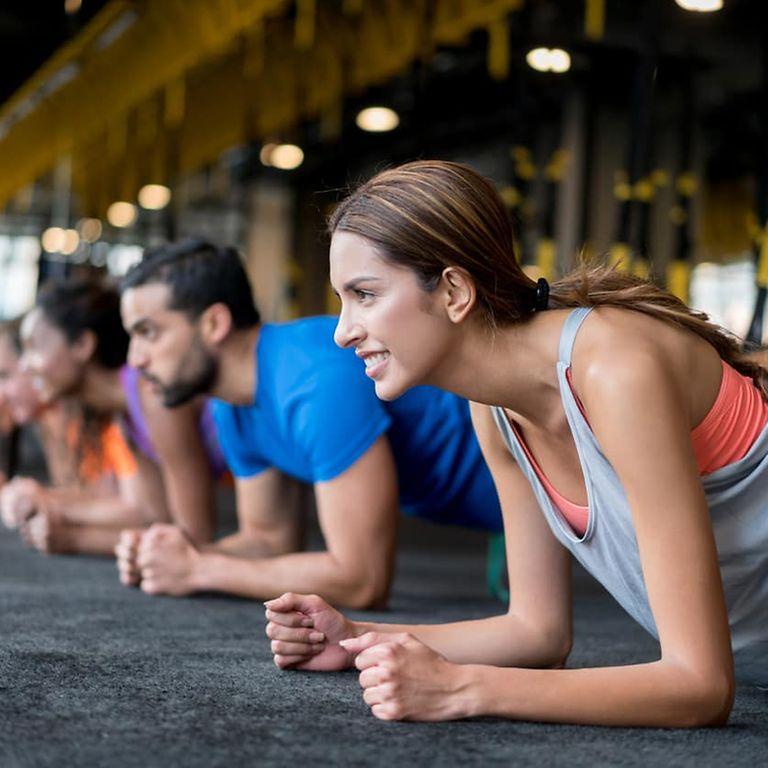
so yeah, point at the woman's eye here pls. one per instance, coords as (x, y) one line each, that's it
(363, 294)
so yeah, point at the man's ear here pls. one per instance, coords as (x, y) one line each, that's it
(215, 324)
(460, 293)
(84, 346)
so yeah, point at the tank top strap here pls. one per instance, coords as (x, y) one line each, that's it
(568, 334)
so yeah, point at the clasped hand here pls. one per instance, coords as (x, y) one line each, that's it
(402, 679)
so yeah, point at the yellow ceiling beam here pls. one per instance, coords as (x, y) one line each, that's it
(211, 74)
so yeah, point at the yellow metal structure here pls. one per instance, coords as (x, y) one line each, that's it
(169, 84)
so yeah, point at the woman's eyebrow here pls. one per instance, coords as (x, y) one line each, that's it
(352, 284)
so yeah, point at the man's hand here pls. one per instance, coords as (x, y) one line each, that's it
(126, 553)
(305, 633)
(19, 499)
(166, 560)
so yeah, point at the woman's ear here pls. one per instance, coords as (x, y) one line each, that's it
(460, 293)
(84, 346)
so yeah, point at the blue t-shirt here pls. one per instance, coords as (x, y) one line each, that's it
(315, 413)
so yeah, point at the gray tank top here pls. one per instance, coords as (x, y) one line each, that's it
(738, 506)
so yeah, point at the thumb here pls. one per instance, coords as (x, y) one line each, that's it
(357, 645)
(291, 601)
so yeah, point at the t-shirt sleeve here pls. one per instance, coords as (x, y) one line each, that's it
(336, 420)
(239, 453)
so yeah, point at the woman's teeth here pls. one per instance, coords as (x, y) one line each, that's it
(372, 360)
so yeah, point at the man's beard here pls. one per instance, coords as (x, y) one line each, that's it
(201, 370)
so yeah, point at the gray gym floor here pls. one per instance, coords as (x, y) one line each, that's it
(94, 674)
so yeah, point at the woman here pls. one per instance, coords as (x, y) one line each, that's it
(620, 427)
(71, 461)
(75, 346)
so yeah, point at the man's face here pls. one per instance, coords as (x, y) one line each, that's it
(165, 345)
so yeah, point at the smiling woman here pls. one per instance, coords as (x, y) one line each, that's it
(597, 403)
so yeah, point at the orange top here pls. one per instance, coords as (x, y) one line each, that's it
(113, 456)
(736, 418)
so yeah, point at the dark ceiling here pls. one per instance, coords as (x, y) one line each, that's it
(30, 31)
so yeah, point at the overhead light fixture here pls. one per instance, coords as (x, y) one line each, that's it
(53, 239)
(121, 214)
(701, 6)
(71, 242)
(377, 119)
(154, 197)
(89, 229)
(72, 6)
(286, 157)
(549, 60)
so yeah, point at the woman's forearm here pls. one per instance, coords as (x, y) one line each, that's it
(502, 641)
(87, 539)
(110, 509)
(657, 694)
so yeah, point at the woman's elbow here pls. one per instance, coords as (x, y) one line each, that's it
(708, 702)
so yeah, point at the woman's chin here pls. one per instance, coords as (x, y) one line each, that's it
(387, 391)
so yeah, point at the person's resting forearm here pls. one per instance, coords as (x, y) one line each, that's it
(110, 510)
(240, 545)
(263, 579)
(89, 539)
(503, 641)
(658, 694)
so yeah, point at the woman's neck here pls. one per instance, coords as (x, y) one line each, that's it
(102, 391)
(514, 367)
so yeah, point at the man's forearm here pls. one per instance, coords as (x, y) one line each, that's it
(313, 572)
(239, 545)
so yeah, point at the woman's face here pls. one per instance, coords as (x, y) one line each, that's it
(18, 400)
(392, 323)
(54, 366)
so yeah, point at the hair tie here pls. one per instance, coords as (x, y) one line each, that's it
(541, 301)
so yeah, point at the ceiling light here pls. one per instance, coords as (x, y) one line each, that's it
(154, 197)
(89, 229)
(549, 60)
(121, 214)
(53, 239)
(377, 119)
(702, 6)
(71, 242)
(286, 157)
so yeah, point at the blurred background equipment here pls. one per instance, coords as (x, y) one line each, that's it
(630, 128)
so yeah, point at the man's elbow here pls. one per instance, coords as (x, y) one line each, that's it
(365, 592)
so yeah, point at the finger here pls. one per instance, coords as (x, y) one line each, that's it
(129, 579)
(386, 711)
(377, 654)
(368, 640)
(289, 619)
(286, 662)
(291, 601)
(150, 586)
(147, 557)
(293, 634)
(282, 648)
(378, 694)
(373, 676)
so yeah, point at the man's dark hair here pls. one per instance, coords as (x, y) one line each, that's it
(76, 305)
(198, 274)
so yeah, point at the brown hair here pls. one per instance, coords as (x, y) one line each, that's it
(428, 215)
